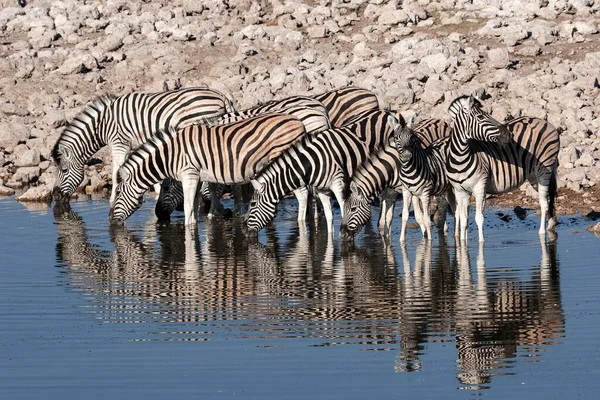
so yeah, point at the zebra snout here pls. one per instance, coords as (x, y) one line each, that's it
(59, 196)
(345, 234)
(504, 137)
(114, 220)
(249, 232)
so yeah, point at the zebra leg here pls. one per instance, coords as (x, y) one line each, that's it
(302, 196)
(338, 190)
(239, 205)
(118, 158)
(215, 202)
(543, 196)
(462, 215)
(406, 200)
(190, 182)
(426, 217)
(419, 214)
(386, 213)
(479, 192)
(326, 202)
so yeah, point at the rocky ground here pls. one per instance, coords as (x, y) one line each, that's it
(538, 58)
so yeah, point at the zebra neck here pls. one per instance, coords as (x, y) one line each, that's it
(285, 175)
(459, 153)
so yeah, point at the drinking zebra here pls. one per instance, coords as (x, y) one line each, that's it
(309, 111)
(341, 106)
(124, 123)
(323, 161)
(414, 163)
(486, 156)
(231, 153)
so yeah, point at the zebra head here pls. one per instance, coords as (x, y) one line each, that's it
(357, 212)
(472, 122)
(405, 140)
(77, 143)
(129, 198)
(70, 171)
(261, 211)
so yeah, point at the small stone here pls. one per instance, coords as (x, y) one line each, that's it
(6, 191)
(40, 193)
(498, 58)
(28, 158)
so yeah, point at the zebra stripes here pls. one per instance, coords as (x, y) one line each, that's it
(123, 123)
(419, 166)
(311, 112)
(346, 104)
(231, 153)
(338, 106)
(322, 161)
(423, 174)
(486, 156)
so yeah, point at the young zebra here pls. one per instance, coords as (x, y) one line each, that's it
(347, 103)
(124, 123)
(231, 153)
(486, 156)
(311, 112)
(322, 161)
(417, 169)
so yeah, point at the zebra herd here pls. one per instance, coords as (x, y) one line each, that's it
(339, 143)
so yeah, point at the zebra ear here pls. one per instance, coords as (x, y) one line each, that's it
(259, 187)
(472, 103)
(395, 123)
(412, 121)
(356, 190)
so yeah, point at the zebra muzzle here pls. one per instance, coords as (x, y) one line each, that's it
(59, 196)
(345, 234)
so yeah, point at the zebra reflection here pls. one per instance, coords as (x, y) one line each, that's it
(494, 317)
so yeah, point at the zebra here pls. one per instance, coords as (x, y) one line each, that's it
(323, 161)
(231, 153)
(345, 104)
(386, 172)
(311, 112)
(123, 123)
(486, 156)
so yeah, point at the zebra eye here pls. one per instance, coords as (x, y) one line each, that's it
(253, 203)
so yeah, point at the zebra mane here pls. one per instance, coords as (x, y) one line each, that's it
(91, 111)
(211, 121)
(463, 102)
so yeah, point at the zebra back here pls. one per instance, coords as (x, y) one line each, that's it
(346, 103)
(311, 112)
(231, 153)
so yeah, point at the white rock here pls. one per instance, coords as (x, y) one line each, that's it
(40, 193)
(438, 63)
(498, 58)
(393, 17)
(433, 92)
(28, 158)
(11, 133)
(6, 191)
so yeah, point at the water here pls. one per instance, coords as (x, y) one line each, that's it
(150, 311)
